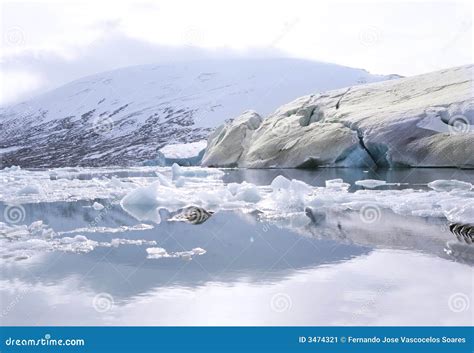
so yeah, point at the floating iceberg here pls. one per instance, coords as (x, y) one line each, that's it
(183, 154)
(160, 253)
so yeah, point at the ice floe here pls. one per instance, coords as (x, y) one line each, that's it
(160, 253)
(21, 242)
(152, 195)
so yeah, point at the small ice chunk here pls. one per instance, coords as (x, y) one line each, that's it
(162, 179)
(156, 253)
(142, 203)
(248, 193)
(160, 253)
(196, 172)
(179, 182)
(300, 187)
(370, 183)
(29, 190)
(280, 182)
(337, 184)
(97, 206)
(233, 188)
(449, 185)
(299, 219)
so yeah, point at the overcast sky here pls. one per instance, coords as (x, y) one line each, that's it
(45, 44)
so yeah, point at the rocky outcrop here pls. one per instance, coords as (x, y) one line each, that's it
(420, 121)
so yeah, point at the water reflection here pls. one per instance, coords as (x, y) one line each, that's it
(399, 271)
(414, 178)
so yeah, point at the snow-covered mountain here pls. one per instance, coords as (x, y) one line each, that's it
(122, 117)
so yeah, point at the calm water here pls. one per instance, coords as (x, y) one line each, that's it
(398, 272)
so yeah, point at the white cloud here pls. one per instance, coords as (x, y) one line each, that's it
(18, 83)
(63, 41)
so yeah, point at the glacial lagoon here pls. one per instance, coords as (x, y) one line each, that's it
(72, 255)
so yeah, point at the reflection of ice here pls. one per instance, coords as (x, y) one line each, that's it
(21, 242)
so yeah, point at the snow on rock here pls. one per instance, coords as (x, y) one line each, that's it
(123, 117)
(420, 121)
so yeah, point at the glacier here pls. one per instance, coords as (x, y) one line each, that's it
(420, 121)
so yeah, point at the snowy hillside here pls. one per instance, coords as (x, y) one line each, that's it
(123, 117)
